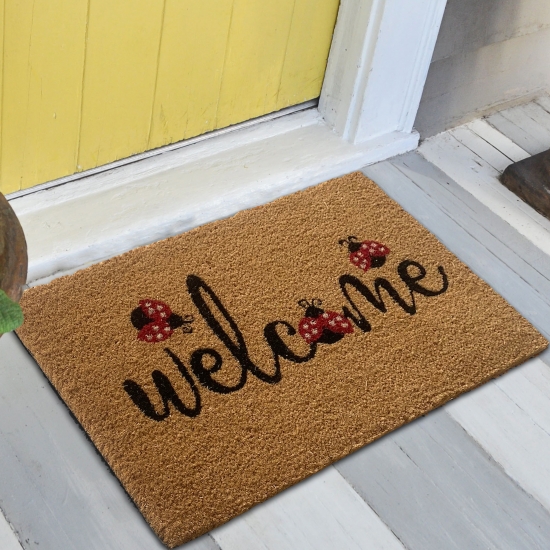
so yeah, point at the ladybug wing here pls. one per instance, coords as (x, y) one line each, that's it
(155, 309)
(360, 259)
(374, 249)
(311, 329)
(156, 331)
(336, 322)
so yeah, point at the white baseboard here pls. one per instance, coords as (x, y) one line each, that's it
(83, 222)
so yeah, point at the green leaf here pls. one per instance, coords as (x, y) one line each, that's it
(11, 316)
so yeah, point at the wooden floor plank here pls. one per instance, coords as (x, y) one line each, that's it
(498, 140)
(508, 432)
(206, 542)
(526, 125)
(537, 113)
(320, 513)
(8, 540)
(500, 123)
(480, 147)
(481, 180)
(504, 511)
(529, 388)
(544, 102)
(406, 499)
(517, 252)
(436, 488)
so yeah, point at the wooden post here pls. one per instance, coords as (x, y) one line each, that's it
(378, 64)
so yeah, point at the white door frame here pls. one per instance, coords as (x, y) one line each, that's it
(376, 72)
(378, 64)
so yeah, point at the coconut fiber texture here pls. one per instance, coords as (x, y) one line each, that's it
(218, 367)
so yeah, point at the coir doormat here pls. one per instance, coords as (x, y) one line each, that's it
(216, 368)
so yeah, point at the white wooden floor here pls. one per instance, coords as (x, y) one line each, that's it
(473, 474)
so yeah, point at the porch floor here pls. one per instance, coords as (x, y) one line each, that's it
(472, 474)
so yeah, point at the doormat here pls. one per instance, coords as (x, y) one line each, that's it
(216, 368)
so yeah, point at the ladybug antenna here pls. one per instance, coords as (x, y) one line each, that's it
(348, 241)
(303, 303)
(316, 302)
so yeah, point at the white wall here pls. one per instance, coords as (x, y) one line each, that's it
(488, 52)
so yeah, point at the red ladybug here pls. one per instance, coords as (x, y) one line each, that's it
(365, 254)
(156, 322)
(324, 327)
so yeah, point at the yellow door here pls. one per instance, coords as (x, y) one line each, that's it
(87, 82)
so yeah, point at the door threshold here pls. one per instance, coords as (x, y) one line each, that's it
(311, 104)
(71, 226)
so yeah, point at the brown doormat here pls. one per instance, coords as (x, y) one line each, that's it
(218, 367)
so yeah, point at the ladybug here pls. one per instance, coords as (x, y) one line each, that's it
(324, 327)
(365, 254)
(156, 322)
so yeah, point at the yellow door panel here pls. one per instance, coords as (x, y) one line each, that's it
(190, 67)
(42, 78)
(254, 59)
(119, 79)
(307, 51)
(87, 82)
